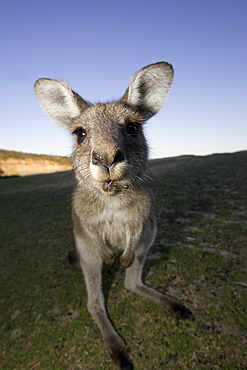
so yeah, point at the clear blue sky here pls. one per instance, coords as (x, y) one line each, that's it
(97, 45)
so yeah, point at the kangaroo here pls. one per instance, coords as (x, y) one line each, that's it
(113, 210)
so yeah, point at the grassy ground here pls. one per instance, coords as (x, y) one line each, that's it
(199, 255)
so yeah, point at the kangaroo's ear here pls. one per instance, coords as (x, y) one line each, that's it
(149, 88)
(61, 104)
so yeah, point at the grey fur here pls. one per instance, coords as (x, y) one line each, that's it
(113, 210)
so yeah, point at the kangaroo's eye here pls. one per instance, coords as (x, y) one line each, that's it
(132, 128)
(81, 134)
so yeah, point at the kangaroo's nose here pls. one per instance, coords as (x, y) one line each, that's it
(104, 161)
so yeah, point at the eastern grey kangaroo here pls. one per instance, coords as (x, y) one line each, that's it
(113, 210)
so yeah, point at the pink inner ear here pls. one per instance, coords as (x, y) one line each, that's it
(148, 88)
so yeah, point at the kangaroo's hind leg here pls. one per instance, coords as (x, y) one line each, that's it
(133, 282)
(91, 264)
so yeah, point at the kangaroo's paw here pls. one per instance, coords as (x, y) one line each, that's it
(118, 353)
(180, 311)
(127, 259)
(74, 260)
(107, 256)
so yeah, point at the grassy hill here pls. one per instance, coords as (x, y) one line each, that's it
(19, 164)
(199, 257)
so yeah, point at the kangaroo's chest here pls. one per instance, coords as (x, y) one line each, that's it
(116, 227)
(115, 221)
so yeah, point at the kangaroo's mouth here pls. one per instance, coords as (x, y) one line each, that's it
(108, 186)
(111, 187)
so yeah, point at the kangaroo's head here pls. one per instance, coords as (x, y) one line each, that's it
(110, 151)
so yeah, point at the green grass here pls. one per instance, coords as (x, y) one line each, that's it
(199, 254)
